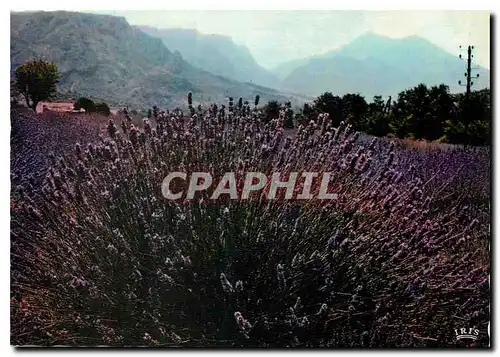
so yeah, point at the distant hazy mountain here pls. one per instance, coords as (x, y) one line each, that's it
(215, 53)
(374, 64)
(284, 69)
(103, 56)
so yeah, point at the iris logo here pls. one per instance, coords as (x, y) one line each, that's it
(464, 334)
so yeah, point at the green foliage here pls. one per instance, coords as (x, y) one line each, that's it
(472, 121)
(257, 99)
(308, 113)
(355, 108)
(378, 124)
(270, 111)
(328, 103)
(102, 108)
(85, 103)
(289, 124)
(420, 113)
(36, 80)
(91, 107)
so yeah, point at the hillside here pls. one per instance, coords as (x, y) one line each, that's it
(374, 64)
(103, 56)
(216, 54)
(284, 69)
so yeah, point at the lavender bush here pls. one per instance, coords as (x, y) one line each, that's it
(100, 257)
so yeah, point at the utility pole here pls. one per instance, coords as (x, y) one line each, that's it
(469, 83)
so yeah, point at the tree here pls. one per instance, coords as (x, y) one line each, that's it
(377, 105)
(85, 103)
(307, 114)
(91, 107)
(328, 103)
(288, 116)
(257, 99)
(36, 80)
(441, 109)
(355, 108)
(421, 112)
(377, 124)
(270, 111)
(102, 108)
(190, 103)
(412, 111)
(478, 130)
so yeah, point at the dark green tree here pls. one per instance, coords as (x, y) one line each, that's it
(270, 111)
(102, 108)
(355, 109)
(377, 105)
(377, 123)
(190, 103)
(479, 124)
(36, 80)
(412, 112)
(289, 124)
(85, 103)
(328, 103)
(441, 109)
(421, 112)
(309, 112)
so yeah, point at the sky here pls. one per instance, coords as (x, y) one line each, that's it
(274, 37)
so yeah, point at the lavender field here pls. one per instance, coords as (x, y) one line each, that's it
(100, 257)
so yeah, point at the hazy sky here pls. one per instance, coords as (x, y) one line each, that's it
(277, 36)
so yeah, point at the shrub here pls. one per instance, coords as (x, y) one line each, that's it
(85, 103)
(100, 257)
(91, 107)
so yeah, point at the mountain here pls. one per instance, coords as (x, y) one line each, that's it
(216, 54)
(377, 65)
(284, 69)
(102, 56)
